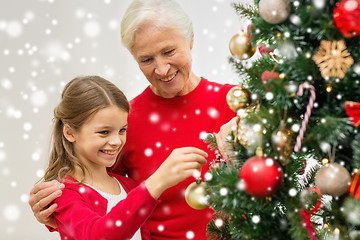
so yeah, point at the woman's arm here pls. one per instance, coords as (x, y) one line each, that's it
(41, 200)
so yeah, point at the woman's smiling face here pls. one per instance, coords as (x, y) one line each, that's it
(164, 57)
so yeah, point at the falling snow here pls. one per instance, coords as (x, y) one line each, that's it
(11, 212)
(44, 44)
(255, 219)
(219, 222)
(161, 228)
(213, 113)
(148, 152)
(190, 235)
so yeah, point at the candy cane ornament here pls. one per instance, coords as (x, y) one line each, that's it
(309, 107)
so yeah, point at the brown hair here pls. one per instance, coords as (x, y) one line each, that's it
(80, 99)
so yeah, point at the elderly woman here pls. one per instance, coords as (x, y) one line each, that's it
(174, 111)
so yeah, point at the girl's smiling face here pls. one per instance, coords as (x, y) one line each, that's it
(101, 137)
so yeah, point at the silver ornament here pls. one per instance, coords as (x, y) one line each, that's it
(274, 11)
(333, 179)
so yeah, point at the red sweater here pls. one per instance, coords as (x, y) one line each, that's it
(156, 127)
(82, 212)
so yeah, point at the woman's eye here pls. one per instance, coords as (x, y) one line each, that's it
(170, 52)
(146, 60)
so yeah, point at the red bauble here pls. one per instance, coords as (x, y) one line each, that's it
(347, 17)
(266, 76)
(262, 176)
(262, 46)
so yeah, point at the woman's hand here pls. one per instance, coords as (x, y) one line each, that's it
(41, 197)
(181, 164)
(222, 137)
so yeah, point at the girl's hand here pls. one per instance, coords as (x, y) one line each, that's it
(41, 197)
(181, 164)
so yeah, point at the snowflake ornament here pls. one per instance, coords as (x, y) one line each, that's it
(333, 59)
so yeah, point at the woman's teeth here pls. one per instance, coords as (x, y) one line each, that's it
(168, 78)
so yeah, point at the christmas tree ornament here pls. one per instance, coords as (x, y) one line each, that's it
(263, 48)
(354, 189)
(262, 176)
(353, 111)
(351, 210)
(305, 214)
(333, 179)
(282, 142)
(238, 97)
(245, 134)
(346, 17)
(268, 76)
(240, 46)
(309, 107)
(287, 50)
(274, 11)
(216, 163)
(333, 59)
(196, 196)
(291, 89)
(354, 234)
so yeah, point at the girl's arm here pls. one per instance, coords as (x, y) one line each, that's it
(80, 208)
(81, 213)
(181, 164)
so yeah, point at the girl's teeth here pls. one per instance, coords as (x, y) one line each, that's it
(109, 152)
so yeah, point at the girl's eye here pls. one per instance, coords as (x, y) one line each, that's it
(104, 132)
(123, 130)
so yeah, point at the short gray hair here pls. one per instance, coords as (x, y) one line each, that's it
(165, 14)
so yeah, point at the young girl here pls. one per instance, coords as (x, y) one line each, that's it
(88, 134)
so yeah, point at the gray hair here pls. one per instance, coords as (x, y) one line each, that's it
(164, 14)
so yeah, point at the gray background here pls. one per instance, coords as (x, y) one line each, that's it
(46, 43)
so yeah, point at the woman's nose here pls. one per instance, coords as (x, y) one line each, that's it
(162, 67)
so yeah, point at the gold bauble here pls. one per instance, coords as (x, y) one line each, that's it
(196, 196)
(333, 179)
(282, 142)
(241, 47)
(238, 97)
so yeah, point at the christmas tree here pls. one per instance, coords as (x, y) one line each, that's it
(290, 170)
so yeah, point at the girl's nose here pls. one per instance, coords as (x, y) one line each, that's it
(115, 140)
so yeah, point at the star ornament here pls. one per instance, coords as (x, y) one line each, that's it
(333, 59)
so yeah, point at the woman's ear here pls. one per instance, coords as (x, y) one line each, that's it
(192, 42)
(69, 133)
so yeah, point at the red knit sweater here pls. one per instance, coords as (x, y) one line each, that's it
(82, 212)
(156, 127)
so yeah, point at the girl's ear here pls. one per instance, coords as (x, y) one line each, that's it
(69, 133)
